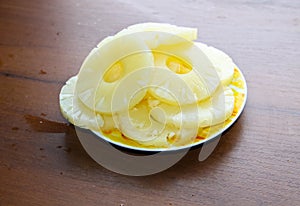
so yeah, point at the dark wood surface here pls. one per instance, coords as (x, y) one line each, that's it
(43, 43)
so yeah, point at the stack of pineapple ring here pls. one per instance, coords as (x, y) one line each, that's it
(151, 84)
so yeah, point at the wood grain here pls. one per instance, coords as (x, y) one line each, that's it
(43, 43)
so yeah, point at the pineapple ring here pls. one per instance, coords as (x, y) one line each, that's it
(210, 112)
(223, 64)
(106, 66)
(75, 111)
(80, 115)
(156, 34)
(138, 125)
(199, 80)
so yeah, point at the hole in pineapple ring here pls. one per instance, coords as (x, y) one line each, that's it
(178, 65)
(114, 73)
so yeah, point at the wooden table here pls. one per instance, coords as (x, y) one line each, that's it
(43, 43)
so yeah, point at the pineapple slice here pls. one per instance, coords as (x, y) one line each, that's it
(137, 124)
(80, 115)
(106, 67)
(184, 72)
(184, 32)
(190, 80)
(75, 111)
(206, 113)
(157, 34)
(222, 63)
